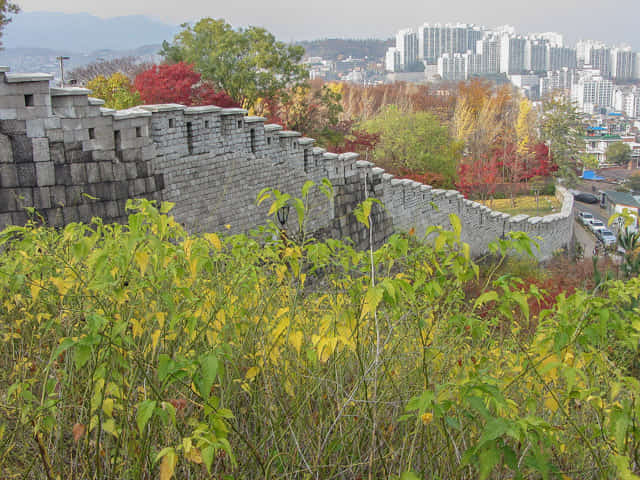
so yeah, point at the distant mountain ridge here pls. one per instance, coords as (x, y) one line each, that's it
(82, 32)
(333, 48)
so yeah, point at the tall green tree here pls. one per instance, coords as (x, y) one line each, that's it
(246, 63)
(618, 152)
(563, 131)
(6, 10)
(415, 142)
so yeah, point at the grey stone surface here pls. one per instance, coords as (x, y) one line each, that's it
(211, 163)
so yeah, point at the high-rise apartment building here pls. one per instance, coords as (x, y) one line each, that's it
(600, 59)
(623, 63)
(392, 60)
(436, 39)
(537, 56)
(562, 57)
(453, 66)
(407, 46)
(489, 49)
(592, 92)
(512, 54)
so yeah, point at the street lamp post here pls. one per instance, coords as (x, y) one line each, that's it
(61, 59)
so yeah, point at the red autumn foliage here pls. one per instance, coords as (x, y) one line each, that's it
(480, 177)
(179, 83)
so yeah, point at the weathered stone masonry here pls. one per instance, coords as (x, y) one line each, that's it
(56, 145)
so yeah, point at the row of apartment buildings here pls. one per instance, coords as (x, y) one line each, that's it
(464, 50)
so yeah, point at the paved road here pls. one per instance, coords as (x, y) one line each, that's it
(586, 239)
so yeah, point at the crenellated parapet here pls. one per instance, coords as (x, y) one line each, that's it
(70, 158)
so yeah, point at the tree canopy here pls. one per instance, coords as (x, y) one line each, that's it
(178, 83)
(618, 152)
(116, 91)
(6, 9)
(562, 130)
(246, 63)
(417, 142)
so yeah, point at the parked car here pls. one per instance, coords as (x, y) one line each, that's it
(585, 197)
(585, 217)
(595, 225)
(607, 237)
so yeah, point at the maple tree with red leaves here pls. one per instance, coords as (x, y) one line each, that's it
(179, 83)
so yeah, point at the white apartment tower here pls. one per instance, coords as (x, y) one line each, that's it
(407, 46)
(512, 54)
(392, 60)
(623, 64)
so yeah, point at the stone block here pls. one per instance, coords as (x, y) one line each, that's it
(78, 173)
(93, 172)
(71, 215)
(131, 170)
(58, 195)
(13, 127)
(26, 173)
(63, 175)
(52, 122)
(111, 210)
(84, 211)
(150, 183)
(22, 148)
(41, 150)
(55, 135)
(8, 114)
(24, 197)
(119, 171)
(142, 169)
(121, 190)
(7, 200)
(19, 217)
(8, 176)
(106, 171)
(45, 174)
(56, 153)
(73, 195)
(35, 128)
(55, 217)
(42, 197)
(159, 180)
(6, 150)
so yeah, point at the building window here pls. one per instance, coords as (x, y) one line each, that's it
(92, 134)
(138, 132)
(172, 123)
(28, 100)
(239, 123)
(268, 140)
(306, 160)
(295, 145)
(206, 124)
(253, 140)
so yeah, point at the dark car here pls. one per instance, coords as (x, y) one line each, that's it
(585, 197)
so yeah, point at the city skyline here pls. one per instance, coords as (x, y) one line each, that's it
(290, 20)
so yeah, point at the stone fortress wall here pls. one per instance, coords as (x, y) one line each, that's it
(70, 158)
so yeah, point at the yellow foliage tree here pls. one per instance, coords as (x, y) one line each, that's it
(116, 91)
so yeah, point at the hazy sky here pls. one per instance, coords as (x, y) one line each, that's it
(613, 21)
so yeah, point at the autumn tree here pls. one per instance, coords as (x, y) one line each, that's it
(618, 153)
(178, 83)
(414, 142)
(6, 10)
(246, 63)
(562, 130)
(116, 91)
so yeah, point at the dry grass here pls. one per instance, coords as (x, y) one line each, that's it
(526, 205)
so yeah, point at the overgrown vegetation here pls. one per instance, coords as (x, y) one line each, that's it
(141, 351)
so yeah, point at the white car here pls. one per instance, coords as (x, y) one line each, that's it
(607, 237)
(585, 217)
(595, 225)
